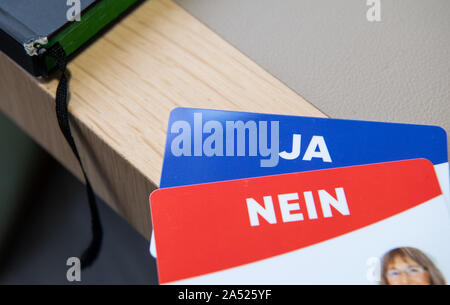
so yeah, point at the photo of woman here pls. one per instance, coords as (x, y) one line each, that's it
(409, 266)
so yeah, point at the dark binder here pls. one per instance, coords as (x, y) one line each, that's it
(29, 28)
(41, 36)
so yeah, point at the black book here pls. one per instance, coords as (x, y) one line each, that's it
(29, 28)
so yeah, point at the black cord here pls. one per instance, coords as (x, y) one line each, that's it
(57, 53)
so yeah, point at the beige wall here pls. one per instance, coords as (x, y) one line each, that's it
(394, 70)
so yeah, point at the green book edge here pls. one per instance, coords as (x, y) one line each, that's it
(74, 36)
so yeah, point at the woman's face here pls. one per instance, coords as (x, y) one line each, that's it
(405, 271)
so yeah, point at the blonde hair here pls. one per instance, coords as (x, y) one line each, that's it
(436, 277)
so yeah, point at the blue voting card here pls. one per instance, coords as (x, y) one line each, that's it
(211, 145)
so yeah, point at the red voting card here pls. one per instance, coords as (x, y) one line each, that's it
(300, 227)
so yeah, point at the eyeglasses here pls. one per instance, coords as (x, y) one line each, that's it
(410, 271)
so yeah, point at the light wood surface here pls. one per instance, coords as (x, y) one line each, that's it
(122, 89)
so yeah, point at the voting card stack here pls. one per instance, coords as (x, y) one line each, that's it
(248, 198)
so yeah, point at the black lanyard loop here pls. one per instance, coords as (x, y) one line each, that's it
(90, 254)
